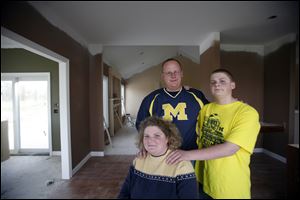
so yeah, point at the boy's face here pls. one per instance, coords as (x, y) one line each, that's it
(221, 85)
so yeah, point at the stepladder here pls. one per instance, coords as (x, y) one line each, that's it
(107, 132)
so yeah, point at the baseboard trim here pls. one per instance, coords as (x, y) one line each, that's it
(97, 153)
(258, 150)
(274, 155)
(86, 158)
(56, 153)
(270, 153)
(82, 162)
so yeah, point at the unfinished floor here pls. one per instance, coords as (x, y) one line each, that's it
(39, 177)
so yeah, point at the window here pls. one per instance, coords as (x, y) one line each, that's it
(123, 99)
(105, 100)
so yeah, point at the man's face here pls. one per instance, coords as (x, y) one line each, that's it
(172, 75)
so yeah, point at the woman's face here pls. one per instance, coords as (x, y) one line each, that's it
(155, 141)
(221, 85)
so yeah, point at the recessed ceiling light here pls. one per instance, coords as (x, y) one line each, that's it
(272, 17)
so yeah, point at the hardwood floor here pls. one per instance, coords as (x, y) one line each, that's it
(268, 177)
(102, 177)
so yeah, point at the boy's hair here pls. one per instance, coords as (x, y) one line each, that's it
(171, 59)
(168, 128)
(227, 72)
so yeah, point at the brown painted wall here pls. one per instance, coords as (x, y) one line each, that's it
(209, 61)
(247, 69)
(277, 96)
(24, 20)
(96, 104)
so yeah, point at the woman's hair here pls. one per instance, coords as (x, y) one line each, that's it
(168, 128)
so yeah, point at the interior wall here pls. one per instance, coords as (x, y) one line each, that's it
(96, 103)
(22, 61)
(194, 75)
(139, 86)
(24, 20)
(209, 61)
(247, 69)
(277, 96)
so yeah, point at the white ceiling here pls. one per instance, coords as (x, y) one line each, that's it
(125, 29)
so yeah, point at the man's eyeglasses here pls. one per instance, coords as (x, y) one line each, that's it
(170, 74)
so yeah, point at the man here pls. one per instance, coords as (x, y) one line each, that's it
(174, 103)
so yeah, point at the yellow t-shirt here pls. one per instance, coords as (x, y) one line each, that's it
(238, 123)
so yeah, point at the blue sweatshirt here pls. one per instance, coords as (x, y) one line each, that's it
(152, 178)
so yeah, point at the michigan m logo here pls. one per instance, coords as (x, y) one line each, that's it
(179, 111)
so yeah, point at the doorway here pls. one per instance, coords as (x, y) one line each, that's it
(25, 103)
(64, 95)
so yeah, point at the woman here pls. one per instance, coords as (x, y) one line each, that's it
(151, 177)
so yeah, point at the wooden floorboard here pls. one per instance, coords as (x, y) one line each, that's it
(102, 177)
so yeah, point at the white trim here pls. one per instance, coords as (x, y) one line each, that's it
(82, 162)
(192, 52)
(171, 95)
(56, 153)
(259, 49)
(86, 158)
(270, 153)
(64, 96)
(276, 44)
(95, 48)
(209, 41)
(258, 150)
(97, 153)
(274, 155)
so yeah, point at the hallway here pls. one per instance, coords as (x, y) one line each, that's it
(123, 142)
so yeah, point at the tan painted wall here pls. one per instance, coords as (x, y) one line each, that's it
(194, 75)
(139, 86)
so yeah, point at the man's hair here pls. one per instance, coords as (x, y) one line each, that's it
(227, 72)
(167, 127)
(171, 59)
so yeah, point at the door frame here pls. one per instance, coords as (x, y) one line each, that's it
(64, 95)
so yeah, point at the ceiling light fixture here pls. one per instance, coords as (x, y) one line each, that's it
(272, 17)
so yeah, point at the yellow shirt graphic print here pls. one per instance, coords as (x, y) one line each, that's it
(170, 112)
(212, 131)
